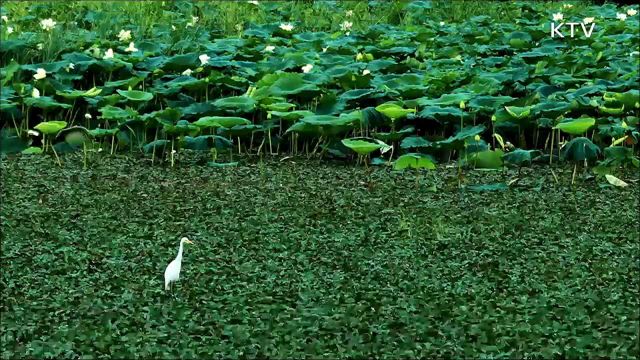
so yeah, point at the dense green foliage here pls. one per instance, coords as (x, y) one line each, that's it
(282, 85)
(306, 258)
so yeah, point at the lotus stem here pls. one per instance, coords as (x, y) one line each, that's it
(172, 141)
(551, 148)
(239, 149)
(573, 178)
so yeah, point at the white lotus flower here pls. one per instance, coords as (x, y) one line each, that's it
(9, 29)
(366, 72)
(567, 6)
(124, 35)
(269, 48)
(286, 27)
(99, 149)
(33, 132)
(254, 2)
(173, 27)
(239, 27)
(72, 66)
(588, 20)
(108, 54)
(40, 46)
(87, 116)
(349, 13)
(5, 18)
(325, 49)
(346, 25)
(194, 20)
(636, 53)
(307, 68)
(40, 74)
(621, 16)
(558, 16)
(35, 93)
(47, 24)
(204, 59)
(632, 12)
(173, 151)
(441, 23)
(131, 47)
(187, 72)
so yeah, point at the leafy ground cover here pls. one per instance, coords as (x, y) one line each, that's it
(306, 258)
(405, 81)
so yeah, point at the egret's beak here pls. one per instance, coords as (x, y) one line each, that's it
(188, 241)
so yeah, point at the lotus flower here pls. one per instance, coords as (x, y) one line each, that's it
(108, 54)
(632, 12)
(40, 74)
(269, 48)
(35, 93)
(588, 20)
(87, 116)
(621, 16)
(254, 2)
(558, 16)
(47, 24)
(9, 30)
(441, 23)
(286, 27)
(124, 35)
(366, 72)
(194, 20)
(349, 13)
(346, 25)
(187, 72)
(567, 6)
(307, 68)
(5, 18)
(40, 46)
(131, 47)
(204, 59)
(33, 133)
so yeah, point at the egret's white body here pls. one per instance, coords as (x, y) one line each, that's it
(172, 273)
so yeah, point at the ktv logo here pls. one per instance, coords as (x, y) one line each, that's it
(556, 29)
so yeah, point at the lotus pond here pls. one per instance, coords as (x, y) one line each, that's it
(361, 178)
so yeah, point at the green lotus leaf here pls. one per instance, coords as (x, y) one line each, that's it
(488, 159)
(521, 157)
(206, 142)
(242, 104)
(580, 149)
(414, 161)
(394, 111)
(458, 140)
(100, 133)
(221, 121)
(136, 95)
(517, 112)
(32, 150)
(576, 126)
(292, 115)
(116, 113)
(45, 102)
(611, 110)
(447, 100)
(157, 146)
(74, 94)
(414, 142)
(280, 106)
(182, 127)
(629, 99)
(394, 135)
(364, 146)
(50, 127)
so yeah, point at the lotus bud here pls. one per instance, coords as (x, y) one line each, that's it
(269, 115)
(462, 106)
(477, 138)
(493, 118)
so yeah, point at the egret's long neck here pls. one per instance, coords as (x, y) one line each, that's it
(180, 251)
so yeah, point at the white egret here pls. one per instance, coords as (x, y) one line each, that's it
(172, 273)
